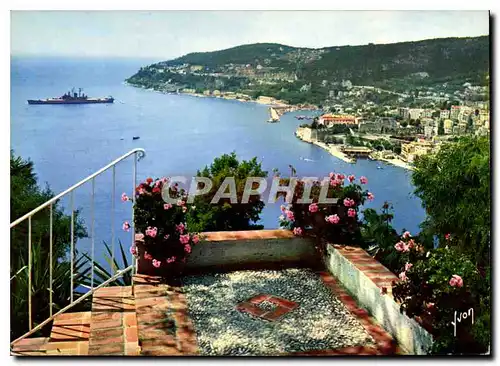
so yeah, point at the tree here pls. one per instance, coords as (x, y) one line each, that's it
(441, 128)
(225, 215)
(454, 186)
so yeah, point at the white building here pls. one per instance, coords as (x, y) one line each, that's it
(444, 114)
(415, 113)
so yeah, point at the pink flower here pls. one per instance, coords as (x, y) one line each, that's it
(333, 219)
(164, 180)
(370, 196)
(336, 182)
(195, 239)
(400, 246)
(151, 231)
(408, 266)
(133, 250)
(180, 203)
(340, 176)
(363, 180)
(148, 256)
(184, 209)
(124, 197)
(349, 202)
(331, 175)
(156, 190)
(158, 183)
(351, 212)
(180, 228)
(351, 178)
(429, 305)
(447, 236)
(411, 244)
(297, 231)
(167, 206)
(149, 180)
(406, 235)
(313, 207)
(457, 281)
(156, 263)
(187, 248)
(171, 259)
(166, 237)
(290, 216)
(139, 237)
(126, 226)
(283, 208)
(402, 276)
(184, 239)
(140, 190)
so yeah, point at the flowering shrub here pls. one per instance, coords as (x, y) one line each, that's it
(162, 225)
(329, 222)
(435, 286)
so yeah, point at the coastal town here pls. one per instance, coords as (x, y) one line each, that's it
(400, 136)
(394, 126)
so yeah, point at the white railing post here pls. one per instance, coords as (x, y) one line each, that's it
(50, 260)
(92, 220)
(72, 254)
(29, 273)
(113, 198)
(134, 185)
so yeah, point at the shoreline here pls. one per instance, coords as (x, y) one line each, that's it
(332, 149)
(299, 133)
(278, 104)
(397, 162)
(335, 151)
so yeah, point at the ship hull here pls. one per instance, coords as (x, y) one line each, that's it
(62, 101)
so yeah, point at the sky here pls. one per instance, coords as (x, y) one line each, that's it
(164, 35)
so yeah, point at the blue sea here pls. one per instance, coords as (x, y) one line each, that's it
(180, 134)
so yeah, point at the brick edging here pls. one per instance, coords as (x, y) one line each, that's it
(382, 277)
(385, 343)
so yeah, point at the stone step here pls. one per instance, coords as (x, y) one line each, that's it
(69, 336)
(30, 347)
(113, 323)
(163, 326)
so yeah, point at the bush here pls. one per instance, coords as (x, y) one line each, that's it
(454, 186)
(163, 225)
(335, 223)
(225, 215)
(439, 285)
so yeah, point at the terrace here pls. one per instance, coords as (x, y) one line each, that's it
(246, 293)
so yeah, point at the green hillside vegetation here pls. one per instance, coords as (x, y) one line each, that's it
(300, 75)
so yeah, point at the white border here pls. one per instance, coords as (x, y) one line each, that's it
(192, 5)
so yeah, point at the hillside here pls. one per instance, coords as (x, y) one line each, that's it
(304, 74)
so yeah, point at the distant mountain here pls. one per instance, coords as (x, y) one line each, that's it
(284, 69)
(443, 57)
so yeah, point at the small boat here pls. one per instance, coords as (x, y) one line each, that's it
(379, 167)
(135, 138)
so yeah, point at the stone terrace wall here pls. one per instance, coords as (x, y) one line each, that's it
(364, 278)
(250, 249)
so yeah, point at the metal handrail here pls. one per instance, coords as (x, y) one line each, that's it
(141, 153)
(80, 299)
(138, 153)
